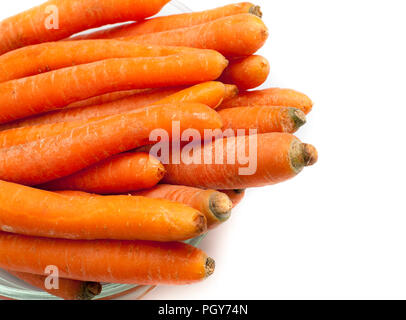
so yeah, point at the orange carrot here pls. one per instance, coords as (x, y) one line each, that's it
(42, 213)
(68, 289)
(234, 36)
(173, 21)
(247, 73)
(46, 57)
(128, 262)
(56, 89)
(55, 157)
(271, 97)
(263, 118)
(235, 196)
(58, 19)
(216, 206)
(127, 104)
(231, 92)
(118, 174)
(210, 93)
(276, 157)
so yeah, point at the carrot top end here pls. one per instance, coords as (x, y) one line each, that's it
(296, 154)
(298, 117)
(221, 205)
(210, 267)
(256, 10)
(90, 290)
(310, 155)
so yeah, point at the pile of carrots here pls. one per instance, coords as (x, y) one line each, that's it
(80, 190)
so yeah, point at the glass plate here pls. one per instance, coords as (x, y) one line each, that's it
(13, 288)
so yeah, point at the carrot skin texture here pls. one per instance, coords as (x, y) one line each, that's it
(20, 136)
(107, 97)
(68, 289)
(127, 262)
(171, 22)
(271, 97)
(45, 57)
(208, 93)
(37, 94)
(214, 205)
(245, 34)
(55, 157)
(278, 157)
(247, 73)
(68, 118)
(118, 174)
(42, 213)
(263, 118)
(33, 26)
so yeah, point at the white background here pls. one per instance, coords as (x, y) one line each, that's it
(338, 230)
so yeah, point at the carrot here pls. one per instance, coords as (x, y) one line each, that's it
(234, 36)
(68, 289)
(118, 174)
(38, 94)
(235, 196)
(216, 206)
(277, 157)
(263, 118)
(42, 213)
(58, 19)
(171, 22)
(45, 57)
(127, 262)
(271, 97)
(210, 93)
(55, 157)
(40, 122)
(247, 73)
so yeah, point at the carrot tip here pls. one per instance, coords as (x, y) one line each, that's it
(221, 205)
(310, 154)
(90, 290)
(256, 10)
(210, 267)
(201, 223)
(298, 117)
(231, 92)
(296, 154)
